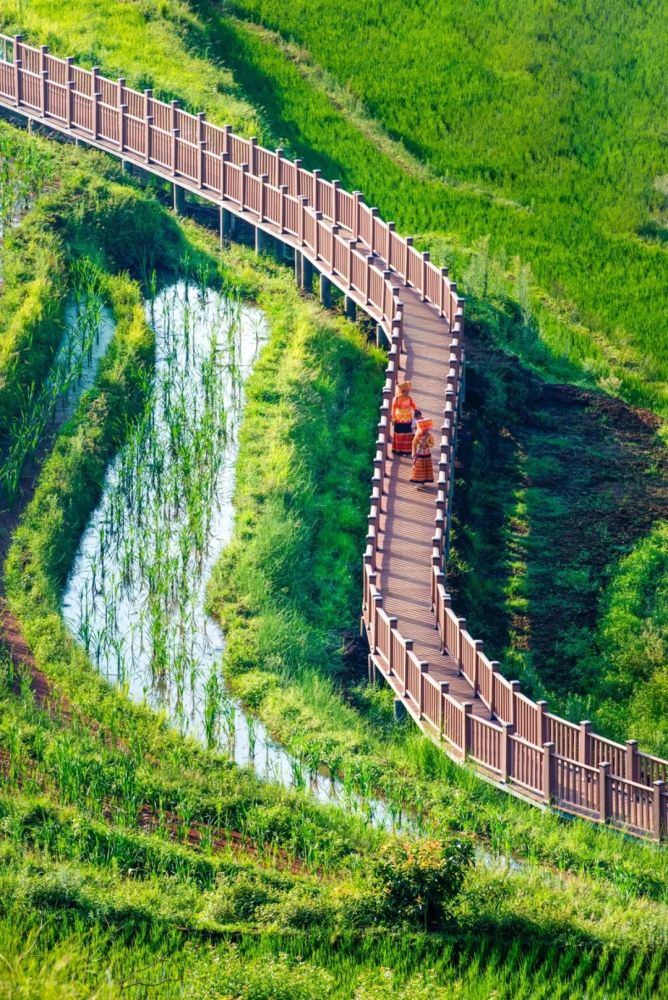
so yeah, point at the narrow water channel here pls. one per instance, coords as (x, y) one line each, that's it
(88, 330)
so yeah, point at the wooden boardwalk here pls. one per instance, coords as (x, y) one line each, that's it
(407, 523)
(438, 671)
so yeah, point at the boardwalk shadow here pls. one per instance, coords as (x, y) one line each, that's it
(556, 484)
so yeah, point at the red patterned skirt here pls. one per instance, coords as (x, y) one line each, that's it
(402, 439)
(423, 469)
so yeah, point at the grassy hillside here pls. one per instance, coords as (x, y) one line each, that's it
(541, 124)
(135, 863)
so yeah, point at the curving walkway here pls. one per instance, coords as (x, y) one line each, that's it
(438, 671)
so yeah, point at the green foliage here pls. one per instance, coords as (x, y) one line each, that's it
(633, 637)
(94, 212)
(517, 144)
(418, 881)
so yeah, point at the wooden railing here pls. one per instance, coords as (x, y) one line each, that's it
(543, 757)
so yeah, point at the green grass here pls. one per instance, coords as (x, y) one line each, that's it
(558, 559)
(520, 223)
(556, 163)
(91, 212)
(74, 858)
(145, 42)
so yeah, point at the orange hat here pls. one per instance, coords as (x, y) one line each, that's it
(425, 425)
(404, 386)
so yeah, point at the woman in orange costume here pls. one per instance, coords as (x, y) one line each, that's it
(423, 442)
(403, 408)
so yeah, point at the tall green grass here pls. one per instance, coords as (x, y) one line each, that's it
(497, 102)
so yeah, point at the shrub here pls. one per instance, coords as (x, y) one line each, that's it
(418, 881)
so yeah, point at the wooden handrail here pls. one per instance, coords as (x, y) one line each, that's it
(544, 758)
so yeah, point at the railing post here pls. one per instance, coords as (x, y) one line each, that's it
(244, 171)
(377, 602)
(658, 830)
(408, 243)
(335, 201)
(478, 645)
(444, 281)
(444, 688)
(393, 622)
(227, 131)
(303, 200)
(296, 167)
(424, 667)
(351, 246)
(316, 189)
(18, 62)
(367, 281)
(318, 220)
(548, 772)
(201, 146)
(387, 276)
(494, 669)
(467, 709)
(372, 239)
(120, 85)
(95, 94)
(148, 121)
(542, 722)
(264, 178)
(334, 232)
(357, 195)
(175, 135)
(507, 730)
(461, 625)
(69, 95)
(252, 145)
(514, 689)
(425, 261)
(283, 188)
(632, 764)
(224, 158)
(278, 156)
(603, 797)
(584, 743)
(391, 228)
(123, 127)
(43, 76)
(408, 643)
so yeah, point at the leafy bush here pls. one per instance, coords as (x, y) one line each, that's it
(418, 881)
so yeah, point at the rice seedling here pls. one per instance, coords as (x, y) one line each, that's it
(135, 597)
(24, 170)
(88, 332)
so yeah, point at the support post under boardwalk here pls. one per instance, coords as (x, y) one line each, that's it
(299, 261)
(351, 308)
(260, 240)
(179, 199)
(226, 224)
(325, 291)
(126, 166)
(307, 274)
(400, 710)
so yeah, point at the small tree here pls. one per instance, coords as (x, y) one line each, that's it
(417, 882)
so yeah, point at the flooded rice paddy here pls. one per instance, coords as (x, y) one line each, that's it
(136, 596)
